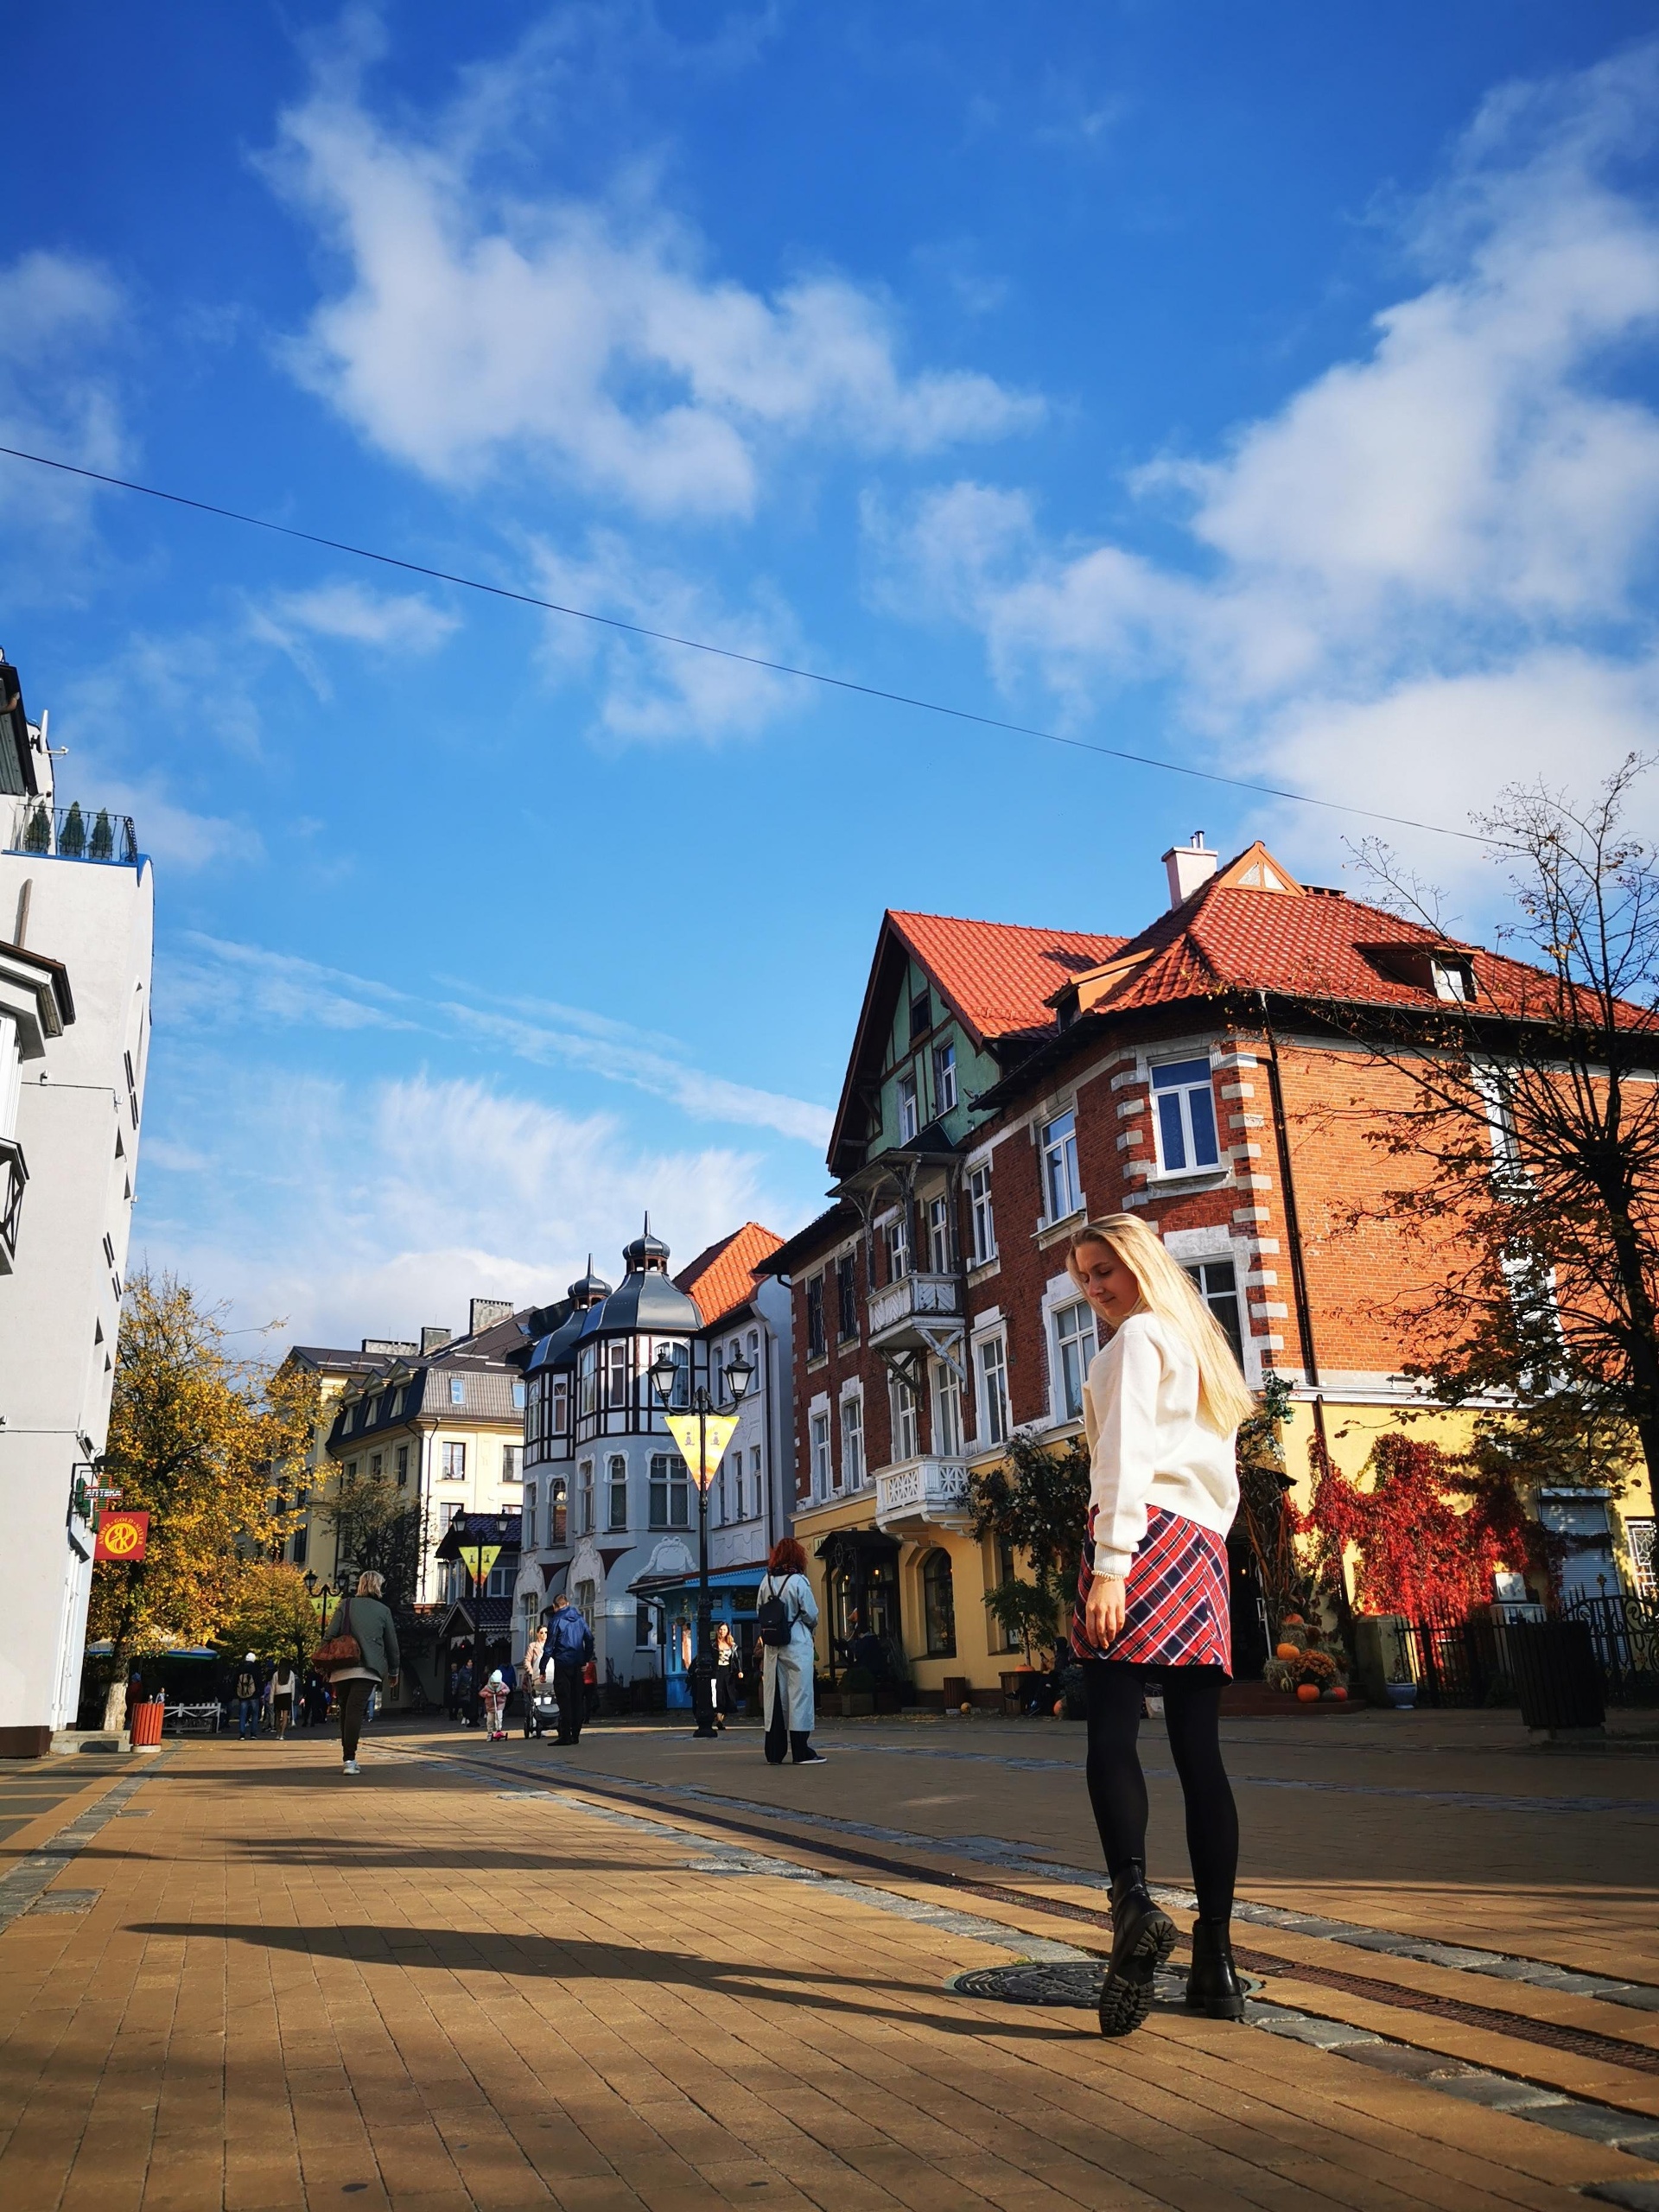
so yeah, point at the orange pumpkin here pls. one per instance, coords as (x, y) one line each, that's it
(1308, 1693)
(1338, 1693)
(1291, 1620)
(1059, 1708)
(1287, 1651)
(966, 1706)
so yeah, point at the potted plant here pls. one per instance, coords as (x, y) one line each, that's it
(857, 1692)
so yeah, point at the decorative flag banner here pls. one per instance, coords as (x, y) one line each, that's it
(122, 1537)
(479, 1559)
(718, 1431)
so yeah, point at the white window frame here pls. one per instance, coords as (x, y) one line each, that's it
(945, 1076)
(457, 1390)
(585, 1498)
(1080, 1333)
(909, 1107)
(938, 1233)
(1062, 1177)
(452, 1460)
(852, 1439)
(513, 1462)
(906, 1419)
(895, 1234)
(822, 1458)
(946, 1411)
(981, 1214)
(1182, 1093)
(992, 1408)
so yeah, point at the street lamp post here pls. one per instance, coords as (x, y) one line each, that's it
(664, 1376)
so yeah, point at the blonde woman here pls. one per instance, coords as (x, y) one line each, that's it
(1161, 1406)
(366, 1618)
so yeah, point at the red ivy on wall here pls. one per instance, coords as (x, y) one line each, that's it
(1421, 1554)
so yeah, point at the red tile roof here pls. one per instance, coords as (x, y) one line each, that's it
(722, 1277)
(1300, 944)
(999, 974)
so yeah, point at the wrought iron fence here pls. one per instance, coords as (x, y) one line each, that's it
(71, 833)
(1459, 1662)
(1624, 1632)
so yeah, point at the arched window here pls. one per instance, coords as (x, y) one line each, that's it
(939, 1606)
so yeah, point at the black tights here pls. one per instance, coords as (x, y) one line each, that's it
(1118, 1788)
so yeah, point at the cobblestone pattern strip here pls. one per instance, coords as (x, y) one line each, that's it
(22, 1888)
(1635, 2133)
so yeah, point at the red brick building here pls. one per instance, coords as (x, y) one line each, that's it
(1005, 1083)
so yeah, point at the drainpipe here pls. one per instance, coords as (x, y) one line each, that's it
(1293, 1220)
(1304, 1308)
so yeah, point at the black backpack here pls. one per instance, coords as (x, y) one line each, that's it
(772, 1618)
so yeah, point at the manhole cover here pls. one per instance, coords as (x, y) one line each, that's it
(67, 1901)
(1064, 1981)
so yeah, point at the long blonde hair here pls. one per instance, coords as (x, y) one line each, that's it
(1167, 1290)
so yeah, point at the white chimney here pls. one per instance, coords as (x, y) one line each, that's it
(1188, 867)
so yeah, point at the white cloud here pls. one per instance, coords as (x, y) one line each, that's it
(477, 330)
(58, 316)
(210, 984)
(1439, 555)
(401, 623)
(655, 692)
(349, 1210)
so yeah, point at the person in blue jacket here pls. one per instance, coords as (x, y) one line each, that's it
(570, 1648)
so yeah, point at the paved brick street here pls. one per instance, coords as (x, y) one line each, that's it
(654, 1972)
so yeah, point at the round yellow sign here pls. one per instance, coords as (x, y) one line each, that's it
(120, 1537)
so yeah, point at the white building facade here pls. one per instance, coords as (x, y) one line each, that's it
(77, 918)
(610, 1510)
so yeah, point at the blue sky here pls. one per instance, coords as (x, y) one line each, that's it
(1269, 389)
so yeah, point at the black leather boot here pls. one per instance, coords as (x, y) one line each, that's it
(1142, 1938)
(1212, 1983)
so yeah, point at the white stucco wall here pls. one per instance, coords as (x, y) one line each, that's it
(59, 1311)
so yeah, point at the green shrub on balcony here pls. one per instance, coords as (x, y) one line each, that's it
(103, 845)
(37, 837)
(72, 838)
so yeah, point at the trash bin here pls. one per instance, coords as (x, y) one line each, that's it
(1556, 1674)
(147, 1722)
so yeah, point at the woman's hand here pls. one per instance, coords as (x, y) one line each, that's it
(1102, 1613)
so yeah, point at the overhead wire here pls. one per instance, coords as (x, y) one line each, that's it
(748, 660)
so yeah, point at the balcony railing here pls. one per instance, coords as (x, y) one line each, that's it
(935, 1491)
(70, 833)
(14, 1173)
(897, 1308)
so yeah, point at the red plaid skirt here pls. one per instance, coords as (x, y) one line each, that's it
(1176, 1587)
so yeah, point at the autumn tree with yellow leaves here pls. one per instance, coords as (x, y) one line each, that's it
(200, 1440)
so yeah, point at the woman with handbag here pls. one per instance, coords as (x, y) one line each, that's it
(1162, 1405)
(785, 1615)
(360, 1655)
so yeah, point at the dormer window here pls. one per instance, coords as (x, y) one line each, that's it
(921, 1015)
(1453, 980)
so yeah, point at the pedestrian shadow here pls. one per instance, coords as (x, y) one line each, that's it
(455, 1950)
(371, 1852)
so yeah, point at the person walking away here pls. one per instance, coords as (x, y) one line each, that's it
(282, 1693)
(246, 1693)
(529, 1681)
(495, 1705)
(1162, 1405)
(570, 1648)
(786, 1614)
(725, 1674)
(464, 1693)
(366, 1618)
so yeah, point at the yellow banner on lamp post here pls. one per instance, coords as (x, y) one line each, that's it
(481, 1558)
(718, 1430)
